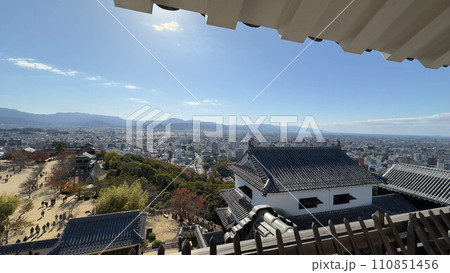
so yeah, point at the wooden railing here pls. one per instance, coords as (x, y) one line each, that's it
(421, 232)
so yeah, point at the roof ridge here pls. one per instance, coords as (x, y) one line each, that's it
(419, 166)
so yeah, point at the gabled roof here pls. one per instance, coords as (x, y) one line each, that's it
(423, 182)
(95, 233)
(27, 246)
(281, 169)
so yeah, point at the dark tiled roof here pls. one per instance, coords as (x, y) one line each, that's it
(427, 183)
(248, 175)
(301, 168)
(391, 203)
(218, 235)
(224, 216)
(27, 246)
(94, 233)
(237, 204)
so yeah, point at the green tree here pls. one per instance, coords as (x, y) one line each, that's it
(8, 205)
(162, 179)
(112, 160)
(221, 167)
(59, 147)
(121, 198)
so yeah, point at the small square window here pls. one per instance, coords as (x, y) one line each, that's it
(342, 199)
(309, 203)
(247, 191)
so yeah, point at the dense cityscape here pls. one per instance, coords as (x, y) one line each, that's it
(375, 153)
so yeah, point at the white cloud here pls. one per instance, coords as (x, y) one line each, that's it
(170, 26)
(155, 90)
(214, 102)
(128, 86)
(33, 64)
(138, 100)
(112, 83)
(438, 124)
(94, 78)
(193, 103)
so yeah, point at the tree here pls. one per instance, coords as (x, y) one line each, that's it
(112, 160)
(60, 178)
(40, 156)
(185, 200)
(121, 198)
(100, 155)
(162, 180)
(26, 207)
(59, 147)
(8, 205)
(221, 167)
(20, 158)
(29, 185)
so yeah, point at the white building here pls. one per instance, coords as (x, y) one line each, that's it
(280, 187)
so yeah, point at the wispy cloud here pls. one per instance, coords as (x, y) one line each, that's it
(129, 86)
(205, 102)
(34, 64)
(170, 26)
(438, 124)
(155, 90)
(112, 83)
(193, 103)
(94, 78)
(214, 102)
(138, 100)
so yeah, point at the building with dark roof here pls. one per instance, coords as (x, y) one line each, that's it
(41, 247)
(423, 183)
(278, 188)
(299, 180)
(112, 233)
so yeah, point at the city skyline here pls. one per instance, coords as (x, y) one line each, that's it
(95, 66)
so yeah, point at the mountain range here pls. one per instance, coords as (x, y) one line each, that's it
(10, 118)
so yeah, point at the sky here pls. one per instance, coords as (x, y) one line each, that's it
(73, 56)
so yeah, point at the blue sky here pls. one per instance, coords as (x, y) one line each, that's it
(72, 56)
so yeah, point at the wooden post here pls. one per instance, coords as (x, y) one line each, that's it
(280, 243)
(258, 243)
(318, 239)
(373, 250)
(161, 250)
(395, 233)
(186, 248)
(378, 224)
(423, 238)
(350, 236)
(441, 230)
(298, 241)
(336, 242)
(432, 233)
(444, 218)
(212, 246)
(237, 245)
(411, 238)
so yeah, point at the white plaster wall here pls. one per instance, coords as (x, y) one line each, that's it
(287, 203)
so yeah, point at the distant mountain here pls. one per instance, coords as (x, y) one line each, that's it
(13, 118)
(10, 118)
